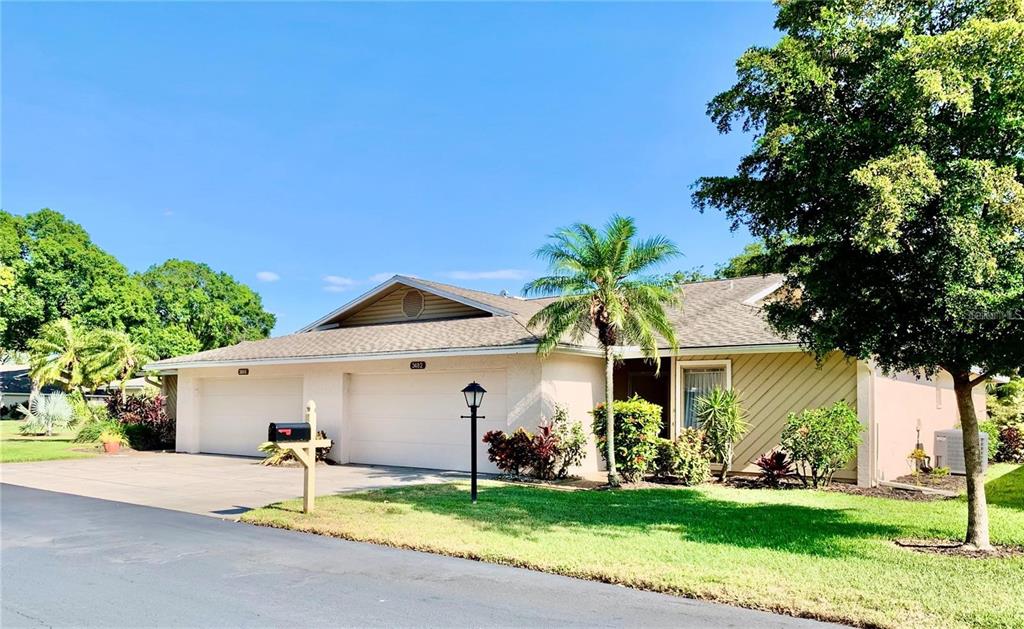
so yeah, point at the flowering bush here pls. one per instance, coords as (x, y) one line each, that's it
(637, 424)
(685, 458)
(821, 441)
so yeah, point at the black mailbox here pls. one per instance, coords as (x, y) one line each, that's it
(288, 432)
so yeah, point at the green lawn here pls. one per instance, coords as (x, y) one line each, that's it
(15, 448)
(808, 553)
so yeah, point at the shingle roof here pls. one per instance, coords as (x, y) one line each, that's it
(713, 314)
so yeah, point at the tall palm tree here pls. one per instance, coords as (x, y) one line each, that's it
(113, 355)
(604, 283)
(60, 354)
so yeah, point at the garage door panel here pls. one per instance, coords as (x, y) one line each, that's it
(234, 413)
(414, 419)
(420, 407)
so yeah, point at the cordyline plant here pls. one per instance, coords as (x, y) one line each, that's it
(604, 283)
(887, 181)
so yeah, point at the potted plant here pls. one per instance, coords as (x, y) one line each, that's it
(112, 441)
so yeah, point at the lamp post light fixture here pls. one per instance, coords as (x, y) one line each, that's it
(474, 398)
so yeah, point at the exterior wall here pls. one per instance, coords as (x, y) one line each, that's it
(770, 386)
(388, 309)
(577, 383)
(902, 402)
(328, 385)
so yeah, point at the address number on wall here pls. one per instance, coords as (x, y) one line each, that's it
(418, 364)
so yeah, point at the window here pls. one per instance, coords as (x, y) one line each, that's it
(697, 378)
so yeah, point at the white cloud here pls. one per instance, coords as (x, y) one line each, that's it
(500, 274)
(377, 278)
(337, 283)
(168, 212)
(267, 276)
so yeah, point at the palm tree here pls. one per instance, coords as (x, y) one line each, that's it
(604, 284)
(112, 354)
(60, 354)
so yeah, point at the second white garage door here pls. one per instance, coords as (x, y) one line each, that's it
(234, 412)
(413, 419)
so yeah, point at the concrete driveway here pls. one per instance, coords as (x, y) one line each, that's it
(212, 485)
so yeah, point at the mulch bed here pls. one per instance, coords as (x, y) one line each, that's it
(957, 549)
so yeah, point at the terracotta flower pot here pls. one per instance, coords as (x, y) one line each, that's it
(111, 447)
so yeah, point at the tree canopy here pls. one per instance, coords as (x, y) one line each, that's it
(211, 307)
(51, 270)
(887, 178)
(889, 146)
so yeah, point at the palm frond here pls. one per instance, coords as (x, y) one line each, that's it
(651, 252)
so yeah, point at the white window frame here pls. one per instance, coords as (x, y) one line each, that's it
(680, 378)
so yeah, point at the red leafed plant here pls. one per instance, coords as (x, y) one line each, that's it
(511, 453)
(145, 420)
(775, 467)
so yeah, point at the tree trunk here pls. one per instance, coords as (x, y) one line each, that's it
(977, 507)
(33, 394)
(609, 402)
(726, 464)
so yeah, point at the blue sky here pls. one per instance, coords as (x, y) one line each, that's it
(310, 149)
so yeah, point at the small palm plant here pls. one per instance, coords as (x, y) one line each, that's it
(721, 418)
(604, 283)
(46, 414)
(60, 354)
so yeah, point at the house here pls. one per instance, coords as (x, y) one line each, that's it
(16, 387)
(386, 371)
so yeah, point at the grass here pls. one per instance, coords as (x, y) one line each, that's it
(807, 553)
(16, 448)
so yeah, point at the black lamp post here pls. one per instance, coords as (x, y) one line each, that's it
(474, 397)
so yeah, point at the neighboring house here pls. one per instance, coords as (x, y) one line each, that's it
(16, 386)
(386, 371)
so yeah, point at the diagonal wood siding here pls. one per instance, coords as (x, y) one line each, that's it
(770, 386)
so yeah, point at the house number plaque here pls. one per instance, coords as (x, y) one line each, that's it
(418, 364)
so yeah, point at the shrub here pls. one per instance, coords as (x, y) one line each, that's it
(276, 455)
(775, 467)
(145, 418)
(684, 458)
(693, 464)
(511, 453)
(1011, 445)
(940, 471)
(992, 430)
(821, 441)
(572, 441)
(547, 454)
(48, 413)
(96, 424)
(637, 424)
(721, 419)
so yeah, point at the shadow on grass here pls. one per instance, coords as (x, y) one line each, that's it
(527, 513)
(1007, 490)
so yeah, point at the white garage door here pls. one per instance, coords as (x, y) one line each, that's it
(234, 412)
(413, 419)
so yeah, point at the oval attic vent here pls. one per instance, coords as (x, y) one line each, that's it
(412, 304)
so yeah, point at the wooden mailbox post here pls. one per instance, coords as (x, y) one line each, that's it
(305, 452)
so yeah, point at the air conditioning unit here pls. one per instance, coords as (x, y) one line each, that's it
(949, 450)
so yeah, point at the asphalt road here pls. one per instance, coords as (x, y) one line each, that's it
(67, 560)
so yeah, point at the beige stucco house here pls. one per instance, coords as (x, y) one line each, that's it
(386, 371)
